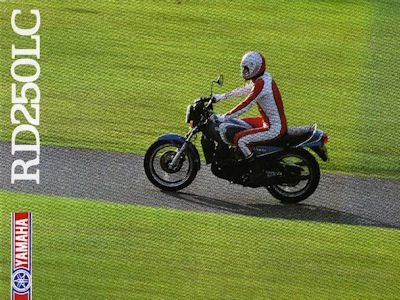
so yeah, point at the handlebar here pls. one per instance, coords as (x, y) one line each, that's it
(209, 100)
(205, 99)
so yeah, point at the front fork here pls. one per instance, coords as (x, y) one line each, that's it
(175, 161)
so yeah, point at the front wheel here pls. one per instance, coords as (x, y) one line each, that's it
(157, 166)
(300, 177)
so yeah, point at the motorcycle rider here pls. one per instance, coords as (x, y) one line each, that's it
(263, 91)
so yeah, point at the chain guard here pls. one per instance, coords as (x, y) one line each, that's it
(271, 174)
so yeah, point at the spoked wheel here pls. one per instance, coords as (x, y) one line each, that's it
(159, 171)
(300, 177)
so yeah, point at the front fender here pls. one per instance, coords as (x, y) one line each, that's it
(171, 137)
(180, 140)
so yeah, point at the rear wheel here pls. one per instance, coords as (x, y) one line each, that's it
(157, 166)
(300, 177)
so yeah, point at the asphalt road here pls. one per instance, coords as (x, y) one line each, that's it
(119, 177)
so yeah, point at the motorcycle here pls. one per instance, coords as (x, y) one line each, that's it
(284, 167)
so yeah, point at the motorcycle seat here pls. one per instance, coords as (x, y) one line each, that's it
(295, 136)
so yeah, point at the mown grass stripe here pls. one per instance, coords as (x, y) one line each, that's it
(89, 249)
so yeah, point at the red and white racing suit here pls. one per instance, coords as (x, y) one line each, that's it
(271, 125)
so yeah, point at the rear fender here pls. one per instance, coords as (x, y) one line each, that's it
(316, 143)
(181, 140)
(321, 151)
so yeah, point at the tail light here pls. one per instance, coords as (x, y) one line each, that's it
(325, 138)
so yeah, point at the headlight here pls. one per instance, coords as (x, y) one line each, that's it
(189, 111)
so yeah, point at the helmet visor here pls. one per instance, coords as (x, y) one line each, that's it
(245, 72)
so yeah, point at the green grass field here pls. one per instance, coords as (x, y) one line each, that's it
(93, 250)
(116, 74)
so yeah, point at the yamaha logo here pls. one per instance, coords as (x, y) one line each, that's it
(21, 255)
(21, 281)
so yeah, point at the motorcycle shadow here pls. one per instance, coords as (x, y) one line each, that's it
(297, 212)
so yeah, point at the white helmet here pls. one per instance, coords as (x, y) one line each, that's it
(252, 65)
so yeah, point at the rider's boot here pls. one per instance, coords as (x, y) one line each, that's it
(250, 166)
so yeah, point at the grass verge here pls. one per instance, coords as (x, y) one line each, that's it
(95, 250)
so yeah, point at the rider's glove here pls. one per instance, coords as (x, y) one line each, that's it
(218, 118)
(219, 97)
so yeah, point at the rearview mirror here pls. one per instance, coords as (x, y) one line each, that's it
(220, 80)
